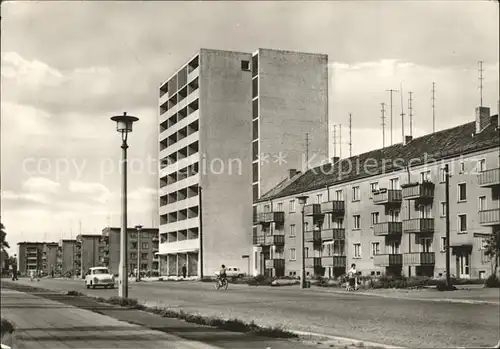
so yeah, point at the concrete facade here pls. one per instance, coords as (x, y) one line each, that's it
(149, 248)
(89, 250)
(217, 114)
(49, 258)
(37, 256)
(392, 222)
(67, 260)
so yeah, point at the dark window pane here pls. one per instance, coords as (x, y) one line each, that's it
(255, 129)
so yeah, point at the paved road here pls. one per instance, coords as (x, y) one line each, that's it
(408, 323)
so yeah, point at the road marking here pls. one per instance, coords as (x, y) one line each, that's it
(344, 339)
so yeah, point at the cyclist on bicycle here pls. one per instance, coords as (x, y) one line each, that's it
(222, 273)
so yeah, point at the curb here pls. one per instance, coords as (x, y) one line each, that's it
(446, 300)
(351, 341)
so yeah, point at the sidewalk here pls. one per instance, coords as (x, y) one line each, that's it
(42, 323)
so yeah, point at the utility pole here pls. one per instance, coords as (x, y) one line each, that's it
(200, 231)
(391, 92)
(433, 107)
(447, 193)
(334, 141)
(307, 151)
(481, 82)
(340, 141)
(383, 124)
(138, 273)
(410, 109)
(350, 135)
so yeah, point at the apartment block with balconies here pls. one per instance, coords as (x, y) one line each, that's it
(391, 218)
(143, 244)
(67, 257)
(37, 256)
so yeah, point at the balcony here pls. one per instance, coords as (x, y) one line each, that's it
(313, 262)
(259, 240)
(462, 240)
(489, 178)
(277, 240)
(312, 210)
(419, 258)
(418, 191)
(312, 236)
(278, 217)
(490, 217)
(388, 229)
(333, 234)
(333, 261)
(388, 260)
(336, 208)
(276, 263)
(387, 197)
(418, 225)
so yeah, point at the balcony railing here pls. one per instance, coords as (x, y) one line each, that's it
(333, 234)
(419, 258)
(387, 197)
(333, 261)
(312, 236)
(418, 225)
(489, 178)
(276, 263)
(313, 262)
(388, 260)
(335, 207)
(388, 228)
(418, 191)
(312, 210)
(489, 217)
(269, 217)
(462, 239)
(277, 240)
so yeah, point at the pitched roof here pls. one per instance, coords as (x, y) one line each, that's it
(426, 149)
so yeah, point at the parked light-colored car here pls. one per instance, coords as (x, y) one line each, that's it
(234, 272)
(99, 276)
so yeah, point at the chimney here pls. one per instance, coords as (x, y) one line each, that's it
(292, 172)
(335, 159)
(482, 118)
(408, 139)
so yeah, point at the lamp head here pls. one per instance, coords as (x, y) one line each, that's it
(302, 199)
(124, 122)
(138, 227)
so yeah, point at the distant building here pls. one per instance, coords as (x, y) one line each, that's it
(228, 123)
(89, 250)
(4, 262)
(66, 258)
(148, 249)
(37, 256)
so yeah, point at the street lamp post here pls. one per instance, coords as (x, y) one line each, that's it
(302, 202)
(124, 126)
(138, 274)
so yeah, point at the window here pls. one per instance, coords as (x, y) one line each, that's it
(293, 254)
(292, 229)
(357, 250)
(245, 65)
(144, 256)
(425, 176)
(357, 221)
(481, 165)
(484, 244)
(292, 206)
(133, 236)
(375, 249)
(266, 208)
(133, 266)
(462, 167)
(133, 245)
(462, 192)
(442, 175)
(306, 252)
(355, 193)
(279, 207)
(462, 223)
(375, 217)
(133, 255)
(339, 195)
(425, 211)
(426, 245)
(373, 187)
(144, 266)
(319, 198)
(394, 216)
(442, 209)
(394, 184)
(482, 203)
(394, 247)
(442, 244)
(256, 260)
(145, 245)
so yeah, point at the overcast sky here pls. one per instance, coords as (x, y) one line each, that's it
(69, 66)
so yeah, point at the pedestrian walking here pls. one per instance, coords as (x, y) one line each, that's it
(184, 271)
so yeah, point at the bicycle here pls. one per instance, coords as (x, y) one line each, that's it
(221, 284)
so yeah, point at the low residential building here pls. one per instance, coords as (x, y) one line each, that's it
(89, 250)
(144, 246)
(66, 257)
(4, 262)
(385, 210)
(37, 256)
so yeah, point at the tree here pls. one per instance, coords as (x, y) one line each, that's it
(493, 249)
(3, 237)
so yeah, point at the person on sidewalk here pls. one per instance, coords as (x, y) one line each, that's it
(352, 278)
(184, 271)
